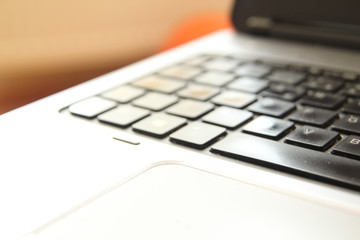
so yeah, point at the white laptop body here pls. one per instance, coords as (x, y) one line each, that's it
(64, 177)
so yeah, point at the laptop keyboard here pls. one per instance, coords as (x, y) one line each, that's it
(299, 119)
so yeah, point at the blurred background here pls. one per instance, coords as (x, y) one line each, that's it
(47, 46)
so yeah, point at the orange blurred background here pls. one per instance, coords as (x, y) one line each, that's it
(47, 46)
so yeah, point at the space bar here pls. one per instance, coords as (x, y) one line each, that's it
(300, 161)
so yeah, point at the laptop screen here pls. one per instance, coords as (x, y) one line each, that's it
(324, 21)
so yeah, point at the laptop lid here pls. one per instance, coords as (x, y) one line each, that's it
(321, 21)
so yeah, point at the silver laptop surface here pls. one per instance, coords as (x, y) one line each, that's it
(249, 133)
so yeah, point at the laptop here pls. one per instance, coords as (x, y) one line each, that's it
(248, 133)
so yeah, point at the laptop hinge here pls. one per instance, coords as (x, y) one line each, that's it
(306, 31)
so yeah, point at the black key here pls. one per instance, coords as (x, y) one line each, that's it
(227, 117)
(324, 84)
(287, 77)
(350, 124)
(123, 116)
(350, 147)
(272, 107)
(313, 116)
(91, 107)
(284, 92)
(349, 76)
(322, 100)
(197, 135)
(159, 125)
(311, 137)
(268, 127)
(315, 71)
(291, 159)
(352, 107)
(352, 90)
(253, 70)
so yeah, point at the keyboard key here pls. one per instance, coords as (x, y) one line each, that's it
(327, 84)
(272, 107)
(248, 84)
(322, 100)
(315, 71)
(313, 116)
(123, 116)
(352, 90)
(284, 92)
(155, 101)
(159, 125)
(215, 78)
(349, 76)
(312, 137)
(253, 70)
(350, 147)
(221, 64)
(159, 84)
(234, 99)
(292, 159)
(350, 124)
(287, 77)
(197, 135)
(268, 127)
(198, 92)
(352, 107)
(181, 72)
(197, 60)
(227, 117)
(190, 109)
(92, 107)
(124, 94)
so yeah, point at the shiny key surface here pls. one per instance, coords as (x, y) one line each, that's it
(91, 107)
(349, 124)
(312, 137)
(197, 135)
(234, 99)
(249, 84)
(215, 78)
(181, 72)
(253, 70)
(155, 101)
(190, 109)
(159, 84)
(313, 116)
(272, 107)
(298, 119)
(227, 117)
(123, 116)
(350, 147)
(159, 125)
(300, 161)
(268, 127)
(124, 94)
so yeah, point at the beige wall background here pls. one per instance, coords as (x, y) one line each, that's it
(49, 45)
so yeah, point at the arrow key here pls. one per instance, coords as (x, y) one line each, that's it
(312, 137)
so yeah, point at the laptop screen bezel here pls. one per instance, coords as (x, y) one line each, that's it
(320, 21)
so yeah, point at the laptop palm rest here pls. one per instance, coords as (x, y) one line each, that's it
(179, 202)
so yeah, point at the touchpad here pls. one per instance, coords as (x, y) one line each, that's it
(180, 202)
